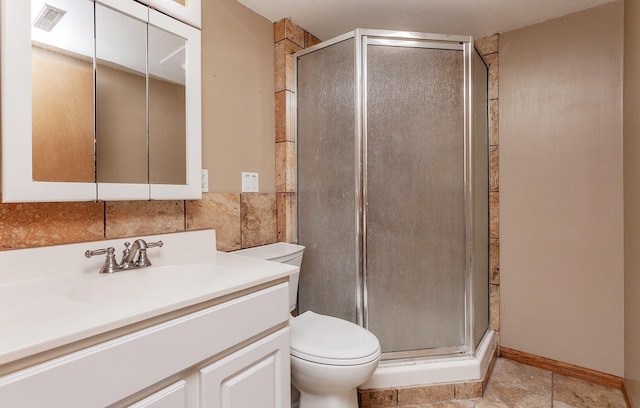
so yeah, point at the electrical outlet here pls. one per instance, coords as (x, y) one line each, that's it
(205, 181)
(249, 182)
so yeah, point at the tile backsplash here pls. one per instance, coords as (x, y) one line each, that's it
(240, 220)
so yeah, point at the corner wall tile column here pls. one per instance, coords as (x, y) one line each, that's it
(488, 47)
(288, 38)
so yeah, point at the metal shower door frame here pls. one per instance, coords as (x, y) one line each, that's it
(364, 38)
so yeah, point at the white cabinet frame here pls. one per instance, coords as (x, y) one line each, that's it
(16, 93)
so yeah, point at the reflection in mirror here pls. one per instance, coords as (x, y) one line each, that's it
(62, 90)
(167, 108)
(121, 92)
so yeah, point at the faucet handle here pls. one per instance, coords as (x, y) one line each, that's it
(110, 265)
(108, 251)
(155, 244)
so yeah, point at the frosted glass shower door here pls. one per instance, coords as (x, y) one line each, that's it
(327, 219)
(415, 197)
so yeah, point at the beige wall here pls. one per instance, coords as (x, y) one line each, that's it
(561, 223)
(238, 129)
(632, 197)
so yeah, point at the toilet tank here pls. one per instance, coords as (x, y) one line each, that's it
(282, 252)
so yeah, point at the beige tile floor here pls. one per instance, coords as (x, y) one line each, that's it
(517, 385)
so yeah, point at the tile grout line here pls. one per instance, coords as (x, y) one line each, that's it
(552, 380)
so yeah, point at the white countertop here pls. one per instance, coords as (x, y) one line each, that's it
(36, 313)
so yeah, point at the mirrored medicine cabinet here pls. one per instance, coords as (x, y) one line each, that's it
(101, 100)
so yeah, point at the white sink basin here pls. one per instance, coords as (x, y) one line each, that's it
(145, 282)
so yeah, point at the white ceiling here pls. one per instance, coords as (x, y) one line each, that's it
(329, 18)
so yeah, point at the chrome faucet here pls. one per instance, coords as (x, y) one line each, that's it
(129, 258)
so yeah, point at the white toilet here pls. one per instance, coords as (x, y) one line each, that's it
(330, 357)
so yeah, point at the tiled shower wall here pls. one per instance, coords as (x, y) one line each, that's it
(488, 47)
(240, 220)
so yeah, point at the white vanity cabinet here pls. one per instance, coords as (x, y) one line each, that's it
(251, 377)
(173, 396)
(231, 354)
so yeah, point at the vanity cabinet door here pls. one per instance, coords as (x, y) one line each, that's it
(174, 396)
(256, 376)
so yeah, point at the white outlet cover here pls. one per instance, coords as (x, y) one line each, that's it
(249, 182)
(205, 180)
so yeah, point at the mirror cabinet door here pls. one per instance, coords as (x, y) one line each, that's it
(47, 146)
(175, 112)
(62, 91)
(122, 160)
(167, 109)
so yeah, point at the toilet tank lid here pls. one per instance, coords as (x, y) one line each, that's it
(278, 252)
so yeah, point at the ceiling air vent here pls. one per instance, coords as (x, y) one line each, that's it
(48, 18)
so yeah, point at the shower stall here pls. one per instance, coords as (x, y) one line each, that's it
(392, 140)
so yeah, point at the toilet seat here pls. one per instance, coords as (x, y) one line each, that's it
(328, 340)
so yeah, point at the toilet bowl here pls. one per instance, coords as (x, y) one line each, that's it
(330, 357)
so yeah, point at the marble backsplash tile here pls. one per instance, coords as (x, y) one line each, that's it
(258, 219)
(134, 218)
(29, 225)
(220, 211)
